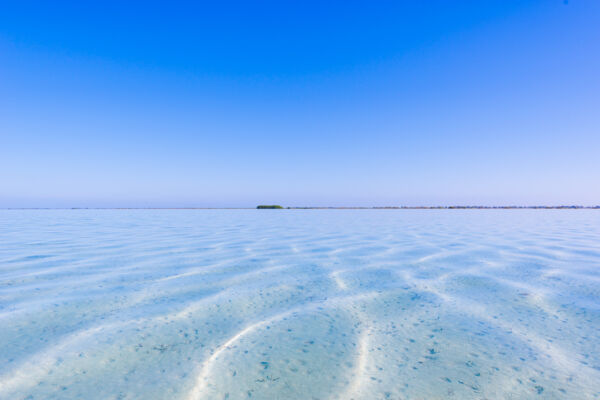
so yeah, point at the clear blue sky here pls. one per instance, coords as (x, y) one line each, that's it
(299, 103)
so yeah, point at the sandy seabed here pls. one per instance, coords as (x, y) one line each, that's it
(299, 304)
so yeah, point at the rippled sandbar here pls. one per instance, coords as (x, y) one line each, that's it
(299, 304)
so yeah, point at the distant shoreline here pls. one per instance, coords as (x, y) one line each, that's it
(323, 208)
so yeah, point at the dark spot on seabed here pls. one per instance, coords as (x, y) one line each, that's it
(539, 389)
(267, 378)
(161, 348)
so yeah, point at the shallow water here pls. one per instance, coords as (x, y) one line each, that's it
(299, 304)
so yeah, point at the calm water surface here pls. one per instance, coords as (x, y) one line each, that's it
(299, 304)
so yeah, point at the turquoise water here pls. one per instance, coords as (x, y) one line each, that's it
(299, 304)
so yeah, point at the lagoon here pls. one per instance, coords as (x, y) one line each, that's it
(299, 304)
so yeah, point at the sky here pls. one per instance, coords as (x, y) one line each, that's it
(299, 103)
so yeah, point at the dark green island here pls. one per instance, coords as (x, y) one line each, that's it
(263, 207)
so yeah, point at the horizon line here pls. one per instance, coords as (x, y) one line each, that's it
(444, 207)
